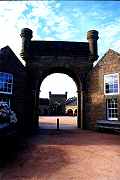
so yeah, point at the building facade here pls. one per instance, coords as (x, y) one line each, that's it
(57, 104)
(71, 106)
(43, 58)
(98, 93)
(102, 100)
(43, 108)
(103, 92)
(12, 82)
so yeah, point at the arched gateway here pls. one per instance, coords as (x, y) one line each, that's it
(46, 57)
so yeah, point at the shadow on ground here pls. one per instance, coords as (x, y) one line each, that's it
(30, 158)
(10, 148)
(80, 137)
(46, 152)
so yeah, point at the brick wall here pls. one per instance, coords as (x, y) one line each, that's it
(96, 100)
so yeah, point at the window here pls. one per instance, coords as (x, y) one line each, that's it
(111, 84)
(6, 83)
(112, 109)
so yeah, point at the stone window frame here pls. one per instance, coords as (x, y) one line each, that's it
(112, 109)
(6, 83)
(113, 93)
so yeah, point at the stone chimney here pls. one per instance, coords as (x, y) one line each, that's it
(26, 35)
(92, 37)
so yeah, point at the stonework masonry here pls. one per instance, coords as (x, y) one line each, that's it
(46, 57)
(57, 103)
(72, 58)
(96, 99)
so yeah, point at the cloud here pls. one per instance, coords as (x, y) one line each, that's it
(59, 20)
(109, 34)
(52, 21)
(116, 45)
(105, 21)
(9, 33)
(49, 20)
(14, 16)
(48, 38)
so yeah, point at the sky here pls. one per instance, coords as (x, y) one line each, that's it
(60, 20)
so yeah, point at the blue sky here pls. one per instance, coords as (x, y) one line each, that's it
(61, 20)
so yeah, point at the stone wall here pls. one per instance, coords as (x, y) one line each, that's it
(57, 103)
(95, 99)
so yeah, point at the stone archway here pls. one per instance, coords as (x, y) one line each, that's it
(51, 70)
(46, 57)
(70, 112)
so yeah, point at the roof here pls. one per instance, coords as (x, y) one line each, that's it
(71, 101)
(7, 52)
(107, 53)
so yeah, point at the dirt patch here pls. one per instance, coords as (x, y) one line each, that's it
(66, 155)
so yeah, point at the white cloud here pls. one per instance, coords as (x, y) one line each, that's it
(107, 34)
(13, 20)
(9, 33)
(40, 8)
(56, 26)
(48, 22)
(111, 29)
(48, 38)
(116, 45)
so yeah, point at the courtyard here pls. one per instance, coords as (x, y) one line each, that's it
(65, 122)
(67, 154)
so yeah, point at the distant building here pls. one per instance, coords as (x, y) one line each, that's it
(71, 106)
(57, 103)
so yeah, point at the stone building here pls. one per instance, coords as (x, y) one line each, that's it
(43, 58)
(12, 82)
(98, 96)
(71, 106)
(103, 92)
(57, 104)
(43, 108)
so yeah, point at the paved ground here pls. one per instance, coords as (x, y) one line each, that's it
(66, 155)
(65, 122)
